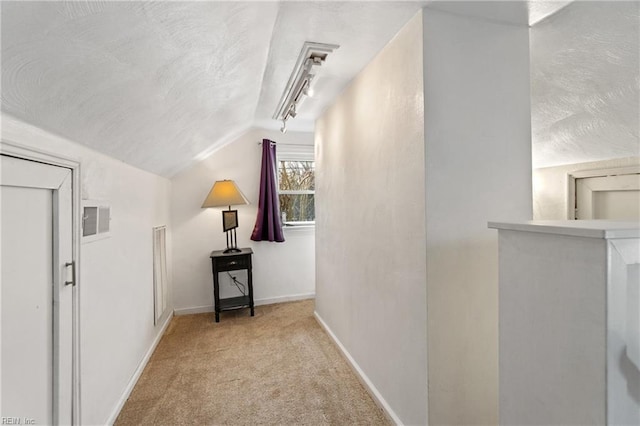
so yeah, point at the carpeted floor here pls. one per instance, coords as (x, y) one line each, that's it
(278, 367)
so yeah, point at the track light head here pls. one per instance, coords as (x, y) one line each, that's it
(283, 129)
(309, 92)
(308, 88)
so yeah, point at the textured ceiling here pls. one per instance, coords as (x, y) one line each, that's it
(541, 9)
(152, 84)
(585, 81)
(160, 84)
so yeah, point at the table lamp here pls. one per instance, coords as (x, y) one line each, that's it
(226, 193)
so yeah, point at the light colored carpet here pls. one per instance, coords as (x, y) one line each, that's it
(278, 367)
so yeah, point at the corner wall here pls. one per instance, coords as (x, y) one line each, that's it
(478, 168)
(370, 227)
(281, 271)
(116, 273)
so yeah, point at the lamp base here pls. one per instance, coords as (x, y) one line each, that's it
(232, 244)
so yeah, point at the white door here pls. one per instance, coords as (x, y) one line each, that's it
(36, 332)
(608, 197)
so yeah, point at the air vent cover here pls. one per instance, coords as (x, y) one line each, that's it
(96, 220)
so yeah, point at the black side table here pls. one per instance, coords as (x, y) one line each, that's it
(222, 262)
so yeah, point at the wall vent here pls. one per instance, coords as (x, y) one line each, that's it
(96, 220)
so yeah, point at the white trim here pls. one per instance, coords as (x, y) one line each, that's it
(282, 299)
(607, 171)
(257, 302)
(299, 225)
(29, 153)
(136, 375)
(193, 310)
(368, 385)
(579, 174)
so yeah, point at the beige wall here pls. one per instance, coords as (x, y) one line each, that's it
(402, 236)
(370, 228)
(551, 186)
(478, 169)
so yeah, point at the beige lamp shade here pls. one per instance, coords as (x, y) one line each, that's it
(224, 193)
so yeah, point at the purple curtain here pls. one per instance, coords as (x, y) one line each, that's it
(268, 223)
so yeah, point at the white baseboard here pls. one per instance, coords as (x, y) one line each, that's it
(194, 310)
(282, 299)
(257, 302)
(373, 391)
(138, 372)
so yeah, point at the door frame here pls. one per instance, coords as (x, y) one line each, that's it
(579, 174)
(24, 152)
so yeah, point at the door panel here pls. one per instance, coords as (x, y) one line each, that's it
(608, 197)
(27, 311)
(36, 330)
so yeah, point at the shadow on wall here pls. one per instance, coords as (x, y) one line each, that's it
(631, 372)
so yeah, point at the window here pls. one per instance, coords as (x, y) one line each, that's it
(296, 187)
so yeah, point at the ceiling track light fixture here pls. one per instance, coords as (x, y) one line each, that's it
(299, 84)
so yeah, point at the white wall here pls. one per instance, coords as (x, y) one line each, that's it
(553, 326)
(281, 271)
(116, 274)
(478, 168)
(551, 186)
(370, 226)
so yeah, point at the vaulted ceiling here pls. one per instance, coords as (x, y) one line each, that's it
(157, 84)
(161, 84)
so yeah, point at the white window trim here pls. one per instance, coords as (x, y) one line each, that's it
(298, 152)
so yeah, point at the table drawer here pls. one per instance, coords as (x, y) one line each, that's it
(233, 263)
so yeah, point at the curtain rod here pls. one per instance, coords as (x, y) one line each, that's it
(288, 144)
